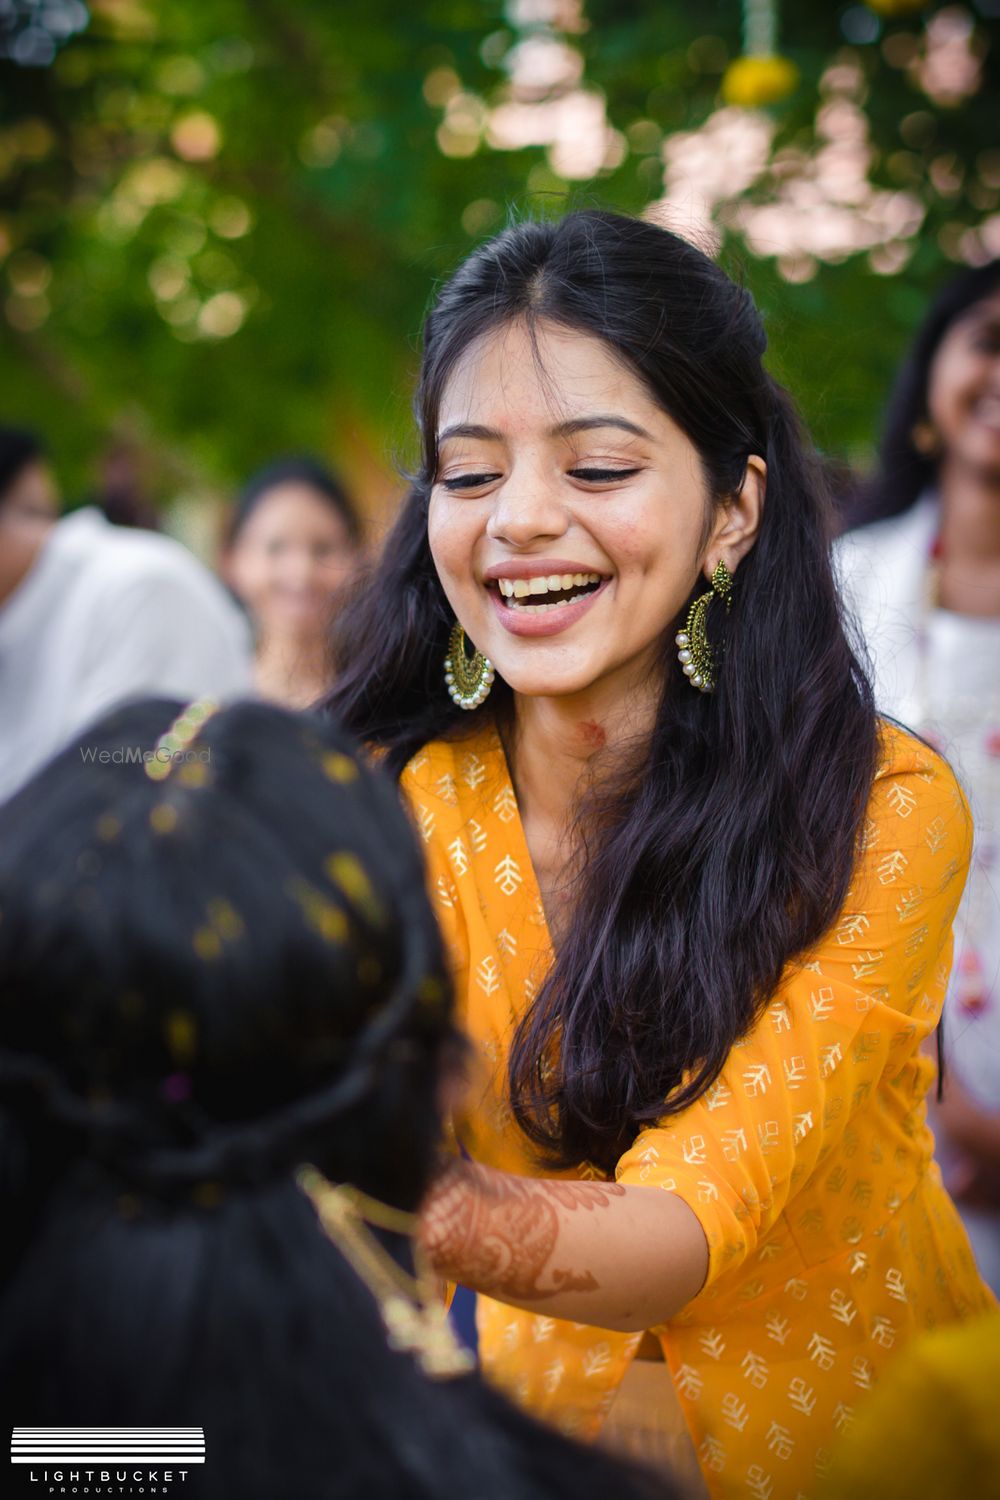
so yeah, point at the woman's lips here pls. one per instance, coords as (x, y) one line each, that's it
(525, 622)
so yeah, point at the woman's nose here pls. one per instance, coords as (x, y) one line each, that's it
(298, 568)
(525, 510)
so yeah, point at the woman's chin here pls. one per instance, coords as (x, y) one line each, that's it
(304, 623)
(540, 685)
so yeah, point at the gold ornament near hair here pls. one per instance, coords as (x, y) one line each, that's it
(468, 678)
(695, 653)
(416, 1320)
(182, 733)
(926, 438)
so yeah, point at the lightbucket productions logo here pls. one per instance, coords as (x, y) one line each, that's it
(106, 1460)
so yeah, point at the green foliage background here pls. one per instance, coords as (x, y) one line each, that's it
(323, 205)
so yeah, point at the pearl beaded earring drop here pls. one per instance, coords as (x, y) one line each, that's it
(695, 652)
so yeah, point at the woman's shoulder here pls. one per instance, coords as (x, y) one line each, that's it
(916, 795)
(910, 531)
(451, 773)
(881, 567)
(902, 755)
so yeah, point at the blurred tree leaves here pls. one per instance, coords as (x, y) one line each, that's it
(221, 221)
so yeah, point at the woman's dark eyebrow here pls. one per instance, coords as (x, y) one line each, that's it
(584, 424)
(564, 429)
(470, 430)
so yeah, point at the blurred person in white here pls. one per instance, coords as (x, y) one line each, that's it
(921, 567)
(294, 541)
(92, 615)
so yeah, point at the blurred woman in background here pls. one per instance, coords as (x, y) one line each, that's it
(220, 966)
(27, 483)
(922, 570)
(294, 541)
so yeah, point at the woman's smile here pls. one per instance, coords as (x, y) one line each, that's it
(542, 596)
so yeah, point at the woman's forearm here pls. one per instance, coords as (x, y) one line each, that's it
(595, 1252)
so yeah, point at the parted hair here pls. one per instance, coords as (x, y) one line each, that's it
(727, 848)
(207, 981)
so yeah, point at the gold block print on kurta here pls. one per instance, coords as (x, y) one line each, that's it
(808, 1162)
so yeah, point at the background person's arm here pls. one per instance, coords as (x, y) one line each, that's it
(972, 1133)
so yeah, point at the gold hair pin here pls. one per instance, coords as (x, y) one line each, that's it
(416, 1320)
(178, 738)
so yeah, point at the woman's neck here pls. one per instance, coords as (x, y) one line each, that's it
(970, 542)
(561, 747)
(292, 669)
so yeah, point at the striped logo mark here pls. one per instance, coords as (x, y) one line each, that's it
(101, 1447)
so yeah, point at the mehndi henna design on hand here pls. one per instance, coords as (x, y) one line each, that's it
(497, 1233)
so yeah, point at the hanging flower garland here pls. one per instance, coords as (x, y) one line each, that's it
(760, 76)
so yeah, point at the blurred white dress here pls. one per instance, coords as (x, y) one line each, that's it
(104, 615)
(939, 674)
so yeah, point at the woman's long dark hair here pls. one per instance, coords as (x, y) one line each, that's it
(730, 848)
(903, 472)
(207, 981)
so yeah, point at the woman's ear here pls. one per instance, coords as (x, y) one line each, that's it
(738, 520)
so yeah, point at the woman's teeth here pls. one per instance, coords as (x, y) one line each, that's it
(514, 590)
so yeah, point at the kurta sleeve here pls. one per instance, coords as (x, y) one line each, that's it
(841, 1035)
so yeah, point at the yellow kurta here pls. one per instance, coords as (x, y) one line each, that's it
(808, 1163)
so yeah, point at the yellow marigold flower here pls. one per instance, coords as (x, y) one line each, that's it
(751, 82)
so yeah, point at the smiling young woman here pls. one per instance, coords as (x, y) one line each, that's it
(698, 936)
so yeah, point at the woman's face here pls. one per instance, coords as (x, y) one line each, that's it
(963, 394)
(29, 508)
(569, 513)
(291, 554)
(32, 493)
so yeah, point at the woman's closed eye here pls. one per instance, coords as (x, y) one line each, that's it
(585, 473)
(469, 481)
(603, 476)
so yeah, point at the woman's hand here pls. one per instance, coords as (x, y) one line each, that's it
(619, 1257)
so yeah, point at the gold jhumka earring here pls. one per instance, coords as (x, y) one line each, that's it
(416, 1320)
(468, 678)
(926, 438)
(695, 653)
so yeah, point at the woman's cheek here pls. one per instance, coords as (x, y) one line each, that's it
(631, 545)
(440, 538)
(452, 545)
